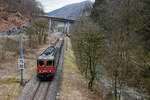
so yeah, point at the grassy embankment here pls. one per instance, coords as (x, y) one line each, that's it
(74, 85)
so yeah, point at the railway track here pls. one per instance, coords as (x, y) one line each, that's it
(44, 90)
(41, 92)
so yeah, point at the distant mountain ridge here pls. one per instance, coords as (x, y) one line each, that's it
(71, 11)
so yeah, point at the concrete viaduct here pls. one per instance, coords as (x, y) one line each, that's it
(66, 22)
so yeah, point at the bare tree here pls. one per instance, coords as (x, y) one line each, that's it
(87, 42)
(31, 7)
(121, 26)
(38, 32)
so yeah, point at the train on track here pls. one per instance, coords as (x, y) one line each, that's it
(47, 62)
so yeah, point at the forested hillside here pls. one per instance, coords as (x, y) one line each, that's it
(114, 41)
(24, 6)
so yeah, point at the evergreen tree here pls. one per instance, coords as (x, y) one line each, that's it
(145, 27)
(95, 12)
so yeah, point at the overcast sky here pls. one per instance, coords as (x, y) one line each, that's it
(50, 5)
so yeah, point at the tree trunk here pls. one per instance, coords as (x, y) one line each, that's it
(86, 70)
(115, 89)
(149, 95)
(90, 85)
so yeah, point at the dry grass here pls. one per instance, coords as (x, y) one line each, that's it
(9, 48)
(9, 72)
(9, 53)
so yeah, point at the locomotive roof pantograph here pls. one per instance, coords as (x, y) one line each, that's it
(48, 54)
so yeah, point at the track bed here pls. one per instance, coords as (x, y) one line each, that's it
(44, 90)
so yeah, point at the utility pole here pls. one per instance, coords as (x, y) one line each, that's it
(21, 60)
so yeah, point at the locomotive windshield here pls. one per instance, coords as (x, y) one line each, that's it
(41, 63)
(49, 63)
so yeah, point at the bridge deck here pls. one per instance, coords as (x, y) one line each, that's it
(57, 18)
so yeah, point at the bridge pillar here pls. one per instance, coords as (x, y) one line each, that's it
(68, 25)
(50, 24)
(65, 27)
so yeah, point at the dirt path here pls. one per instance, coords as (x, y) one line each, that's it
(74, 84)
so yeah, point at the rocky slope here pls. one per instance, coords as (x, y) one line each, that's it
(9, 20)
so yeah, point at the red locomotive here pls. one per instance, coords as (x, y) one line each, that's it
(48, 60)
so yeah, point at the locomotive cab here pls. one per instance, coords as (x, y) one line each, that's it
(46, 65)
(45, 68)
